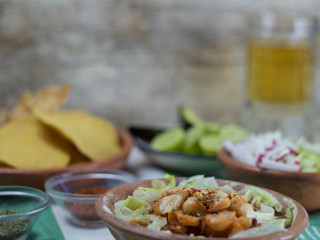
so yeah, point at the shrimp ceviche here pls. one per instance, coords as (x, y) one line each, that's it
(198, 206)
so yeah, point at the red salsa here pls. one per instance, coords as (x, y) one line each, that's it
(86, 210)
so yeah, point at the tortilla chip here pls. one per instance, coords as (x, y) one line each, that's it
(3, 165)
(3, 116)
(93, 136)
(77, 157)
(27, 143)
(48, 99)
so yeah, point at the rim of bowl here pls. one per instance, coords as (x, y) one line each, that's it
(123, 225)
(145, 146)
(23, 189)
(228, 160)
(77, 175)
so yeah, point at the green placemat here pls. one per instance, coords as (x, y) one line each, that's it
(315, 218)
(46, 228)
(313, 230)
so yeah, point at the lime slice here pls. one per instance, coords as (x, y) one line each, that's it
(170, 140)
(188, 116)
(191, 145)
(212, 127)
(210, 144)
(233, 132)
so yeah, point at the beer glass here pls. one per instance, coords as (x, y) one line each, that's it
(280, 73)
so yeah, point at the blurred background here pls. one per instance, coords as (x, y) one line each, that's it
(135, 62)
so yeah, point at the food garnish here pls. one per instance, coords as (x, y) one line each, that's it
(271, 150)
(196, 136)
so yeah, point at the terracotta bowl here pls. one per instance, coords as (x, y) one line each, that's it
(37, 177)
(122, 230)
(302, 187)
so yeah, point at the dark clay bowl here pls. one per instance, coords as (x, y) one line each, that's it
(302, 187)
(37, 177)
(122, 230)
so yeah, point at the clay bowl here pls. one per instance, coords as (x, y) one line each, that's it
(37, 177)
(122, 230)
(302, 187)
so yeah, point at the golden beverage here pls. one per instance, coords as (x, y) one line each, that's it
(280, 73)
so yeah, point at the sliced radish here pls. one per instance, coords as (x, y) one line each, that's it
(279, 166)
(272, 146)
(293, 152)
(259, 159)
(281, 158)
(277, 152)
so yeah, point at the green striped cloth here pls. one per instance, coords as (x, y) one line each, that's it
(46, 228)
(313, 230)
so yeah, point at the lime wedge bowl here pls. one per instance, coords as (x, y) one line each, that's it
(181, 163)
(190, 147)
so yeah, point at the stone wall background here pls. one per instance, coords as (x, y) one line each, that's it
(133, 61)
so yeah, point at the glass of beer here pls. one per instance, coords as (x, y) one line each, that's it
(280, 73)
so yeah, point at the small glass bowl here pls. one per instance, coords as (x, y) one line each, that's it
(77, 192)
(20, 208)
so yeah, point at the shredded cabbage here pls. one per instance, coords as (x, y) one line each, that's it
(260, 216)
(147, 194)
(199, 236)
(291, 212)
(127, 214)
(275, 223)
(133, 203)
(259, 231)
(157, 222)
(260, 196)
(200, 182)
(158, 184)
(158, 187)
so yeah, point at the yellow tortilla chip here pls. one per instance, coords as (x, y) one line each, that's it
(3, 116)
(77, 157)
(3, 165)
(48, 99)
(27, 143)
(93, 136)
